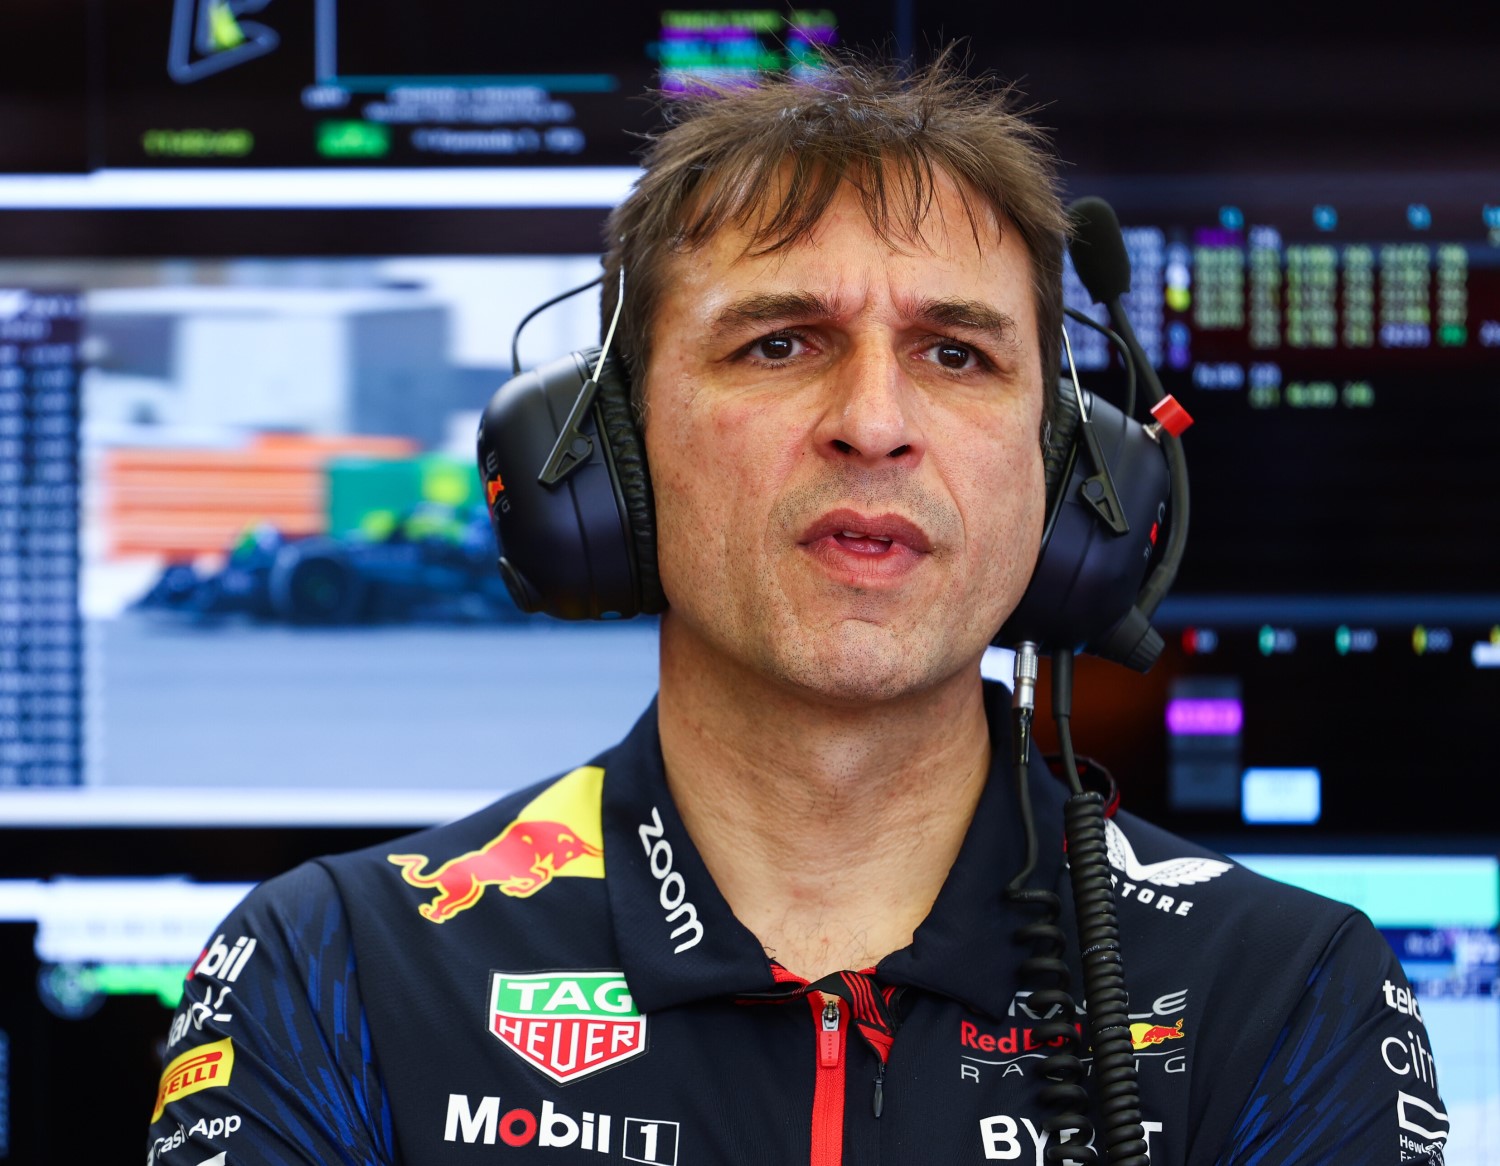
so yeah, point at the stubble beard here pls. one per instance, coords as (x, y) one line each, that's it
(857, 662)
(872, 647)
(836, 645)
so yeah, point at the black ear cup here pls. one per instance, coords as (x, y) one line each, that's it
(627, 449)
(584, 548)
(1057, 450)
(1087, 578)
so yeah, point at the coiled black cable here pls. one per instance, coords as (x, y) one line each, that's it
(1045, 972)
(1065, 1093)
(1116, 1089)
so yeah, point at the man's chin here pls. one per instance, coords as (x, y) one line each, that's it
(864, 666)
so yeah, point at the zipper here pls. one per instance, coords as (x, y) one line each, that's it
(828, 1086)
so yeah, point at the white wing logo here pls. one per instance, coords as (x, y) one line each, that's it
(1174, 872)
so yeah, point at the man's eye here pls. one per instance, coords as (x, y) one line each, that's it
(954, 356)
(777, 347)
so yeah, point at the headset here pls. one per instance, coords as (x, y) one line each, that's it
(563, 464)
(564, 469)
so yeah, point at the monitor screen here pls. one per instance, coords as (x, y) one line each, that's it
(251, 83)
(209, 84)
(254, 474)
(1336, 578)
(281, 575)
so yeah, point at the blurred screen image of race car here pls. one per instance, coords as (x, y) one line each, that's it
(434, 565)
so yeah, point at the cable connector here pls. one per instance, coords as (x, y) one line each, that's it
(1023, 699)
(1023, 692)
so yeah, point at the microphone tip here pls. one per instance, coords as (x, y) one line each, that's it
(1098, 249)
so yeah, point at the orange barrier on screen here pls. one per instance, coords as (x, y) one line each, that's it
(182, 503)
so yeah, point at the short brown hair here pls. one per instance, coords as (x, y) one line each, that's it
(720, 162)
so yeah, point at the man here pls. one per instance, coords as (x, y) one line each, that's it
(769, 926)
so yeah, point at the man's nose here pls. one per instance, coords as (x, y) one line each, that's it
(871, 412)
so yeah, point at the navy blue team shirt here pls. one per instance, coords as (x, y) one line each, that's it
(556, 979)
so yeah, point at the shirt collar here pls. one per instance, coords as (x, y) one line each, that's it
(679, 942)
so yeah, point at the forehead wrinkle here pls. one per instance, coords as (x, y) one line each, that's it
(770, 307)
(970, 315)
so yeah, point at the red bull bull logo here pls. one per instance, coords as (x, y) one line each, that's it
(557, 833)
(520, 862)
(1145, 1035)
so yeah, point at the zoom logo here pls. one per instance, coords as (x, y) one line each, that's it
(673, 890)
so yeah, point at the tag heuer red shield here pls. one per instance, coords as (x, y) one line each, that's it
(566, 1024)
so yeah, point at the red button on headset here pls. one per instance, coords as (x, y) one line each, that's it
(1171, 415)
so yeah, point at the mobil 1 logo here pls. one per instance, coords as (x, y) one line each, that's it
(650, 1141)
(635, 1139)
(224, 962)
(219, 966)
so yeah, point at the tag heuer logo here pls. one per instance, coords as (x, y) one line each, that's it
(566, 1024)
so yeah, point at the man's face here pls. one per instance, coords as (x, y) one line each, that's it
(843, 440)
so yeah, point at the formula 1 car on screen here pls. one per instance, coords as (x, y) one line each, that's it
(437, 565)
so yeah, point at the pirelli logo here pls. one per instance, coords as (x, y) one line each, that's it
(197, 1069)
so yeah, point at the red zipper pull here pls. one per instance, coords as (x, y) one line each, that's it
(828, 1087)
(828, 1039)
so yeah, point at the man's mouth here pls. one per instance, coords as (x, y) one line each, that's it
(868, 534)
(862, 542)
(864, 545)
